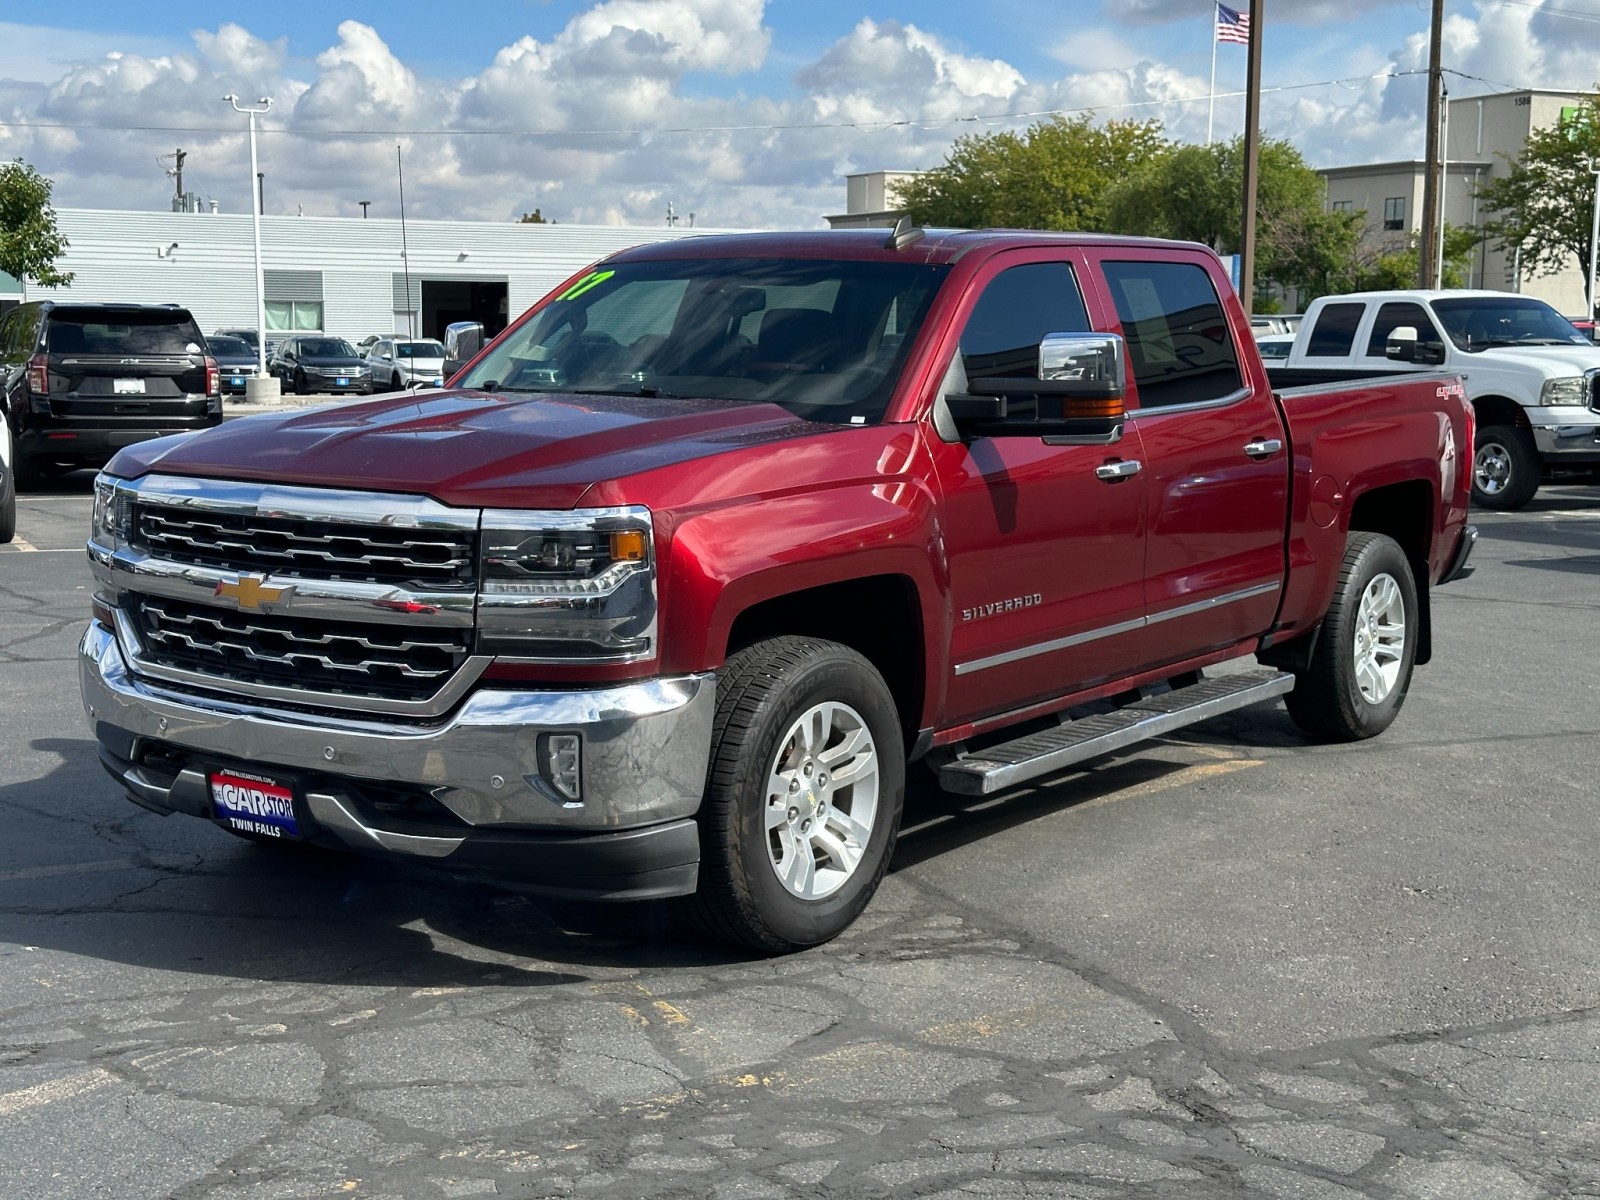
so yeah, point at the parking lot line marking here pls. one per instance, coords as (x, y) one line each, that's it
(41, 1094)
(23, 544)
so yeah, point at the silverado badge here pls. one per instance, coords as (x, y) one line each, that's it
(252, 593)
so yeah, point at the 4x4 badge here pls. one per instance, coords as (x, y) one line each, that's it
(252, 593)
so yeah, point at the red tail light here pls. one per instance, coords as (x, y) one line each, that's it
(39, 375)
(213, 377)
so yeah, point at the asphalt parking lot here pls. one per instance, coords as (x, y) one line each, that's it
(1229, 963)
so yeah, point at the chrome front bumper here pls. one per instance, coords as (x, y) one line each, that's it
(644, 754)
(1560, 443)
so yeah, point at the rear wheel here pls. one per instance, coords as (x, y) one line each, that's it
(8, 486)
(804, 795)
(1505, 467)
(1358, 675)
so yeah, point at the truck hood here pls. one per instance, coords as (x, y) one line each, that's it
(1556, 362)
(467, 448)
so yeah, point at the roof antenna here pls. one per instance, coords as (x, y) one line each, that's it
(905, 234)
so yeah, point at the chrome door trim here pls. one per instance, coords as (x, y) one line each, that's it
(1092, 635)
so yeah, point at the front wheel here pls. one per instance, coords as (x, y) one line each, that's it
(803, 797)
(8, 486)
(1505, 467)
(301, 386)
(1357, 678)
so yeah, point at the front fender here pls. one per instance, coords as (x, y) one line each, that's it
(725, 560)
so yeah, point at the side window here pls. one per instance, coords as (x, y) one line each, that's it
(1180, 349)
(1395, 314)
(8, 335)
(1017, 309)
(1335, 331)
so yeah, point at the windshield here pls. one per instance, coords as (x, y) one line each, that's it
(222, 344)
(1478, 322)
(825, 339)
(419, 350)
(326, 348)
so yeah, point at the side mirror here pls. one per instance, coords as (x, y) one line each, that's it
(1077, 398)
(1401, 345)
(462, 341)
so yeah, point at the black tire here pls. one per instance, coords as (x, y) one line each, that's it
(762, 693)
(1505, 468)
(8, 508)
(301, 387)
(1333, 699)
(25, 473)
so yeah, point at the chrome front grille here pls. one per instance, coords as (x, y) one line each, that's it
(333, 657)
(421, 559)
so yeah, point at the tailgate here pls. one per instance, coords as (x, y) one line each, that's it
(83, 385)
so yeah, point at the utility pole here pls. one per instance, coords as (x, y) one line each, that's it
(363, 204)
(177, 171)
(1432, 182)
(1252, 154)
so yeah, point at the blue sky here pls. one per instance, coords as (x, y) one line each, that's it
(747, 111)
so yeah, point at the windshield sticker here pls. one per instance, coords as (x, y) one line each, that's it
(592, 280)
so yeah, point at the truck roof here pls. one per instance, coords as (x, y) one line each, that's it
(938, 246)
(1426, 294)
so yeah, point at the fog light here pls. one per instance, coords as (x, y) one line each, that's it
(561, 764)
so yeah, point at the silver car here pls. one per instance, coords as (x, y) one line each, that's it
(399, 363)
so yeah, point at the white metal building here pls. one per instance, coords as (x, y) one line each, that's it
(341, 275)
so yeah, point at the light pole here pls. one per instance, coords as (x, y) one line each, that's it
(1594, 231)
(255, 219)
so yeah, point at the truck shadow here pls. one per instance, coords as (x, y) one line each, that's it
(87, 873)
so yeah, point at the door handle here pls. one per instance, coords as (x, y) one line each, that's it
(1120, 469)
(1262, 447)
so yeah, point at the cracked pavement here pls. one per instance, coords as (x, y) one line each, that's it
(1228, 964)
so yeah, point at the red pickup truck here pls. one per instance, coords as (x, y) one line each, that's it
(661, 596)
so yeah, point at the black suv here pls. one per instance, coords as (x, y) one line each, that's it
(315, 362)
(84, 380)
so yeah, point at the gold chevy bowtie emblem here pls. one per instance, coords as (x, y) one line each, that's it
(252, 593)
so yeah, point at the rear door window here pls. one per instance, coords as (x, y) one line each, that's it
(1180, 348)
(1334, 334)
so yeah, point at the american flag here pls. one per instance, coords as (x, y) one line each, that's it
(1232, 26)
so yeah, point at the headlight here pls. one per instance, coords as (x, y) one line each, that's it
(112, 517)
(1569, 392)
(567, 586)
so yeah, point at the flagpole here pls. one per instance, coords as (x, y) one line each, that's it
(1211, 108)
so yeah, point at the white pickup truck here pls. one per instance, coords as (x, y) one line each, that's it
(1531, 377)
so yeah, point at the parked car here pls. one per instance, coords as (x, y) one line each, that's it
(236, 361)
(249, 336)
(401, 362)
(662, 598)
(1530, 375)
(1274, 347)
(81, 381)
(365, 343)
(1586, 325)
(1274, 323)
(315, 362)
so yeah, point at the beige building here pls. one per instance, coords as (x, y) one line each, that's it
(1483, 136)
(871, 200)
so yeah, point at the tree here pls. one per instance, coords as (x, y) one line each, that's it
(1052, 176)
(1397, 269)
(1195, 193)
(534, 218)
(29, 240)
(1544, 206)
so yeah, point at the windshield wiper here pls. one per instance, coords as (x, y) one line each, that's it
(648, 392)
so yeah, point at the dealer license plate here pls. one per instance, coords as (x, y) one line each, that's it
(127, 387)
(342, 382)
(238, 380)
(253, 804)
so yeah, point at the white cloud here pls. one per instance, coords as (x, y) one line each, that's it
(616, 113)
